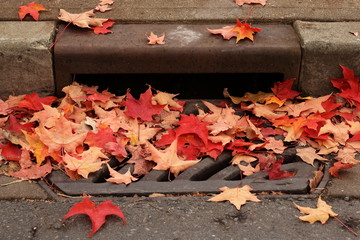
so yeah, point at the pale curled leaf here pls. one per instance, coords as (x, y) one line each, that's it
(83, 20)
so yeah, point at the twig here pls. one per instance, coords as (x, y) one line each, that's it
(347, 227)
(15, 181)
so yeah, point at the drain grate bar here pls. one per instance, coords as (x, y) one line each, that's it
(205, 177)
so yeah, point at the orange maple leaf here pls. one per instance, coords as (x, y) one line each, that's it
(237, 196)
(86, 162)
(104, 28)
(239, 30)
(31, 8)
(63, 136)
(168, 159)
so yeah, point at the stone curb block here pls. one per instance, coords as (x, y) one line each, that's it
(25, 62)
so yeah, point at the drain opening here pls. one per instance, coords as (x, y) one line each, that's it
(189, 86)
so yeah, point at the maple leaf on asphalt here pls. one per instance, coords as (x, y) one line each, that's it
(104, 28)
(31, 8)
(237, 196)
(142, 108)
(83, 20)
(97, 214)
(242, 2)
(154, 39)
(321, 213)
(168, 159)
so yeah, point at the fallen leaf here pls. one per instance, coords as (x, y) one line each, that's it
(104, 28)
(103, 8)
(334, 170)
(34, 102)
(63, 136)
(242, 2)
(308, 155)
(119, 178)
(168, 159)
(237, 196)
(30, 170)
(314, 182)
(87, 162)
(83, 20)
(31, 8)
(321, 213)
(142, 108)
(239, 30)
(283, 89)
(97, 214)
(11, 152)
(154, 39)
(275, 173)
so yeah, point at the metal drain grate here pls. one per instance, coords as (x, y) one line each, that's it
(207, 176)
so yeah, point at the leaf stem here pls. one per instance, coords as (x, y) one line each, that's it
(58, 37)
(347, 227)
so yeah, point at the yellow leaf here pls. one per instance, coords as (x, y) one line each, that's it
(321, 213)
(237, 196)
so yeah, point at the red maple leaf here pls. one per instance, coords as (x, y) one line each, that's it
(34, 102)
(275, 173)
(103, 136)
(96, 214)
(349, 87)
(192, 135)
(282, 90)
(32, 9)
(334, 170)
(11, 152)
(142, 108)
(14, 126)
(239, 30)
(104, 28)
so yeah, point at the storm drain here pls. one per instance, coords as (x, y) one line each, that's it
(187, 64)
(207, 176)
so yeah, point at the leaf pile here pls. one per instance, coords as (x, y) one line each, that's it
(82, 131)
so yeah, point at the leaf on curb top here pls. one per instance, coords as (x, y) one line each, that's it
(97, 214)
(321, 213)
(83, 20)
(104, 28)
(31, 8)
(155, 39)
(237, 196)
(239, 30)
(242, 2)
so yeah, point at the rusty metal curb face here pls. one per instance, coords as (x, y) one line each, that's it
(188, 49)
